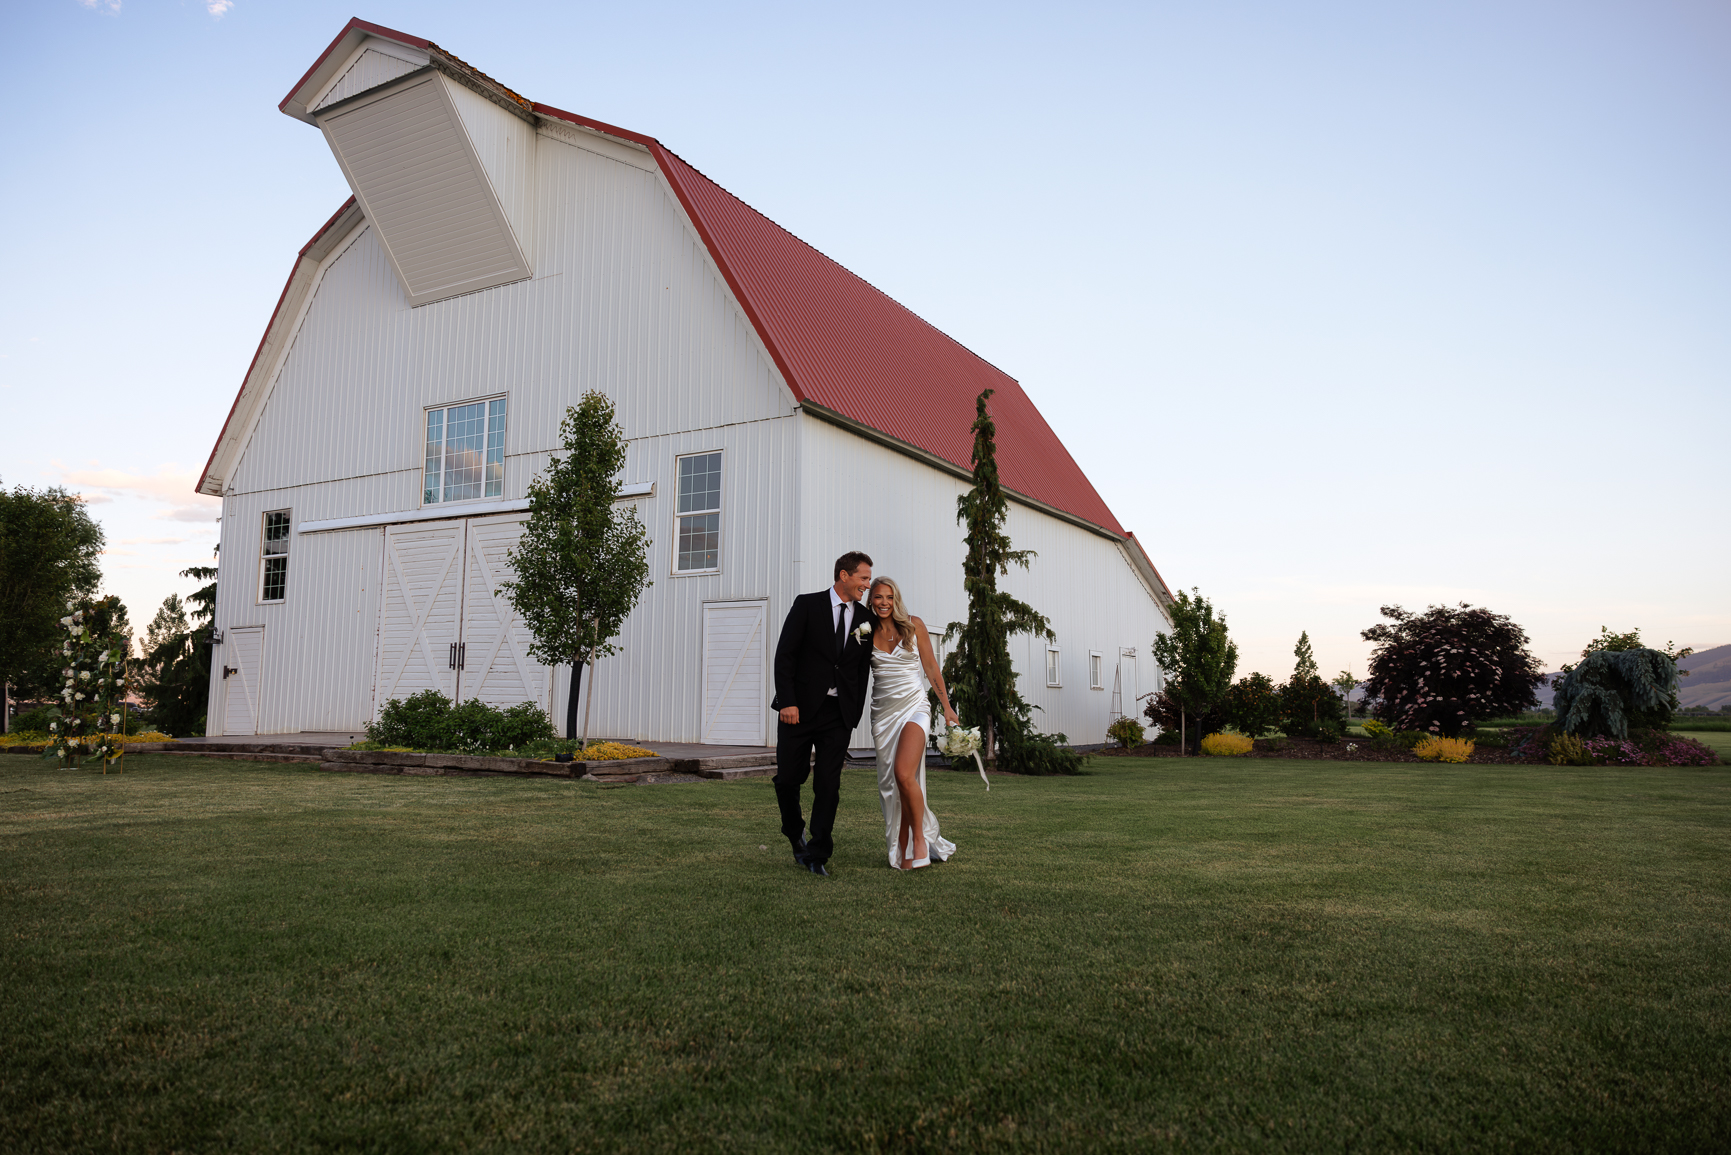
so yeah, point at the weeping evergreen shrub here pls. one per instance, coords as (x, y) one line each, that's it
(1614, 691)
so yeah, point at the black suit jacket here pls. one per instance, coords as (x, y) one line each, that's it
(807, 665)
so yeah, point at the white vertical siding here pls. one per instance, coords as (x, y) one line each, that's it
(505, 144)
(865, 496)
(369, 68)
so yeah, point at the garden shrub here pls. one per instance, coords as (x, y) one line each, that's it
(1126, 731)
(1166, 738)
(1409, 739)
(613, 751)
(1435, 749)
(1568, 750)
(1328, 732)
(1253, 705)
(35, 721)
(1613, 692)
(428, 721)
(1449, 666)
(1307, 703)
(1377, 730)
(1227, 745)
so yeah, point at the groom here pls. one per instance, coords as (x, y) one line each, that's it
(821, 666)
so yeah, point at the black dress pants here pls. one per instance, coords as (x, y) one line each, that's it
(827, 734)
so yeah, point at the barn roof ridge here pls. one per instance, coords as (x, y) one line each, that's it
(841, 343)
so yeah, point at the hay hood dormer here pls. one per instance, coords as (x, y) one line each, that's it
(441, 157)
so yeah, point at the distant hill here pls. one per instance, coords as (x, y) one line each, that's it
(1708, 683)
(1709, 680)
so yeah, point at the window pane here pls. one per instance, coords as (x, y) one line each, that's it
(495, 486)
(1051, 667)
(435, 454)
(465, 451)
(275, 578)
(276, 532)
(700, 541)
(700, 483)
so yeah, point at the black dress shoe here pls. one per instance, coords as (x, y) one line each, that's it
(800, 849)
(816, 868)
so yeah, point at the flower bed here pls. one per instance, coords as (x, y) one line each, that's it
(1522, 745)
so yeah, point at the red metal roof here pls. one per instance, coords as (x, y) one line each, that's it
(846, 346)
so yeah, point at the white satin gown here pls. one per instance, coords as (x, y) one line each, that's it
(898, 697)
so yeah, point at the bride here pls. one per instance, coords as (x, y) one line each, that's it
(901, 721)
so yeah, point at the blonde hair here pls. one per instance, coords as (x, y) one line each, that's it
(898, 611)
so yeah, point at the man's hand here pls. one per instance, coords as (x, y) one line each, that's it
(790, 715)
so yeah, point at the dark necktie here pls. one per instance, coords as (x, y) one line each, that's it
(840, 630)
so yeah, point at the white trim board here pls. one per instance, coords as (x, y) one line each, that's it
(443, 512)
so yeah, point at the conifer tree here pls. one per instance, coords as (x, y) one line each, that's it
(1304, 664)
(981, 679)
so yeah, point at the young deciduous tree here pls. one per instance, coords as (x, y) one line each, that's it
(982, 681)
(48, 553)
(583, 560)
(1199, 659)
(1449, 666)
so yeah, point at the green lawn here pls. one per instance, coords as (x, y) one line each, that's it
(1240, 955)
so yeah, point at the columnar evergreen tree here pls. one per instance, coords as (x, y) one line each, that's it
(1304, 661)
(49, 547)
(1307, 703)
(583, 560)
(982, 681)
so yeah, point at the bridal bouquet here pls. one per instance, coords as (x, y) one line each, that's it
(959, 742)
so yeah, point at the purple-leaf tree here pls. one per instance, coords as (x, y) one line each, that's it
(1449, 666)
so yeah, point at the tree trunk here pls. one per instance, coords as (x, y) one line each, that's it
(589, 702)
(5, 707)
(572, 698)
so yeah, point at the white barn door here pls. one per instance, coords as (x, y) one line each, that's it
(494, 663)
(240, 682)
(735, 668)
(422, 611)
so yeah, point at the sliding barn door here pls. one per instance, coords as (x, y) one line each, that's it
(422, 610)
(735, 645)
(494, 661)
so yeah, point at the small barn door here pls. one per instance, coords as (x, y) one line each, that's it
(242, 656)
(735, 642)
(495, 665)
(422, 611)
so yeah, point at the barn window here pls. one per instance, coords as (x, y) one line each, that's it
(1094, 682)
(699, 513)
(1052, 666)
(465, 459)
(273, 557)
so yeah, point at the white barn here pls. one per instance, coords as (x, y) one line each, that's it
(499, 258)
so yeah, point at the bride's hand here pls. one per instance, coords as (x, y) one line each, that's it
(950, 717)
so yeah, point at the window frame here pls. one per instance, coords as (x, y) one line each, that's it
(504, 434)
(1096, 670)
(1054, 668)
(265, 556)
(679, 515)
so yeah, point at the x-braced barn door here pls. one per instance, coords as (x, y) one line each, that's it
(443, 625)
(240, 682)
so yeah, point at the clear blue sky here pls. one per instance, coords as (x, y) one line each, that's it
(1338, 304)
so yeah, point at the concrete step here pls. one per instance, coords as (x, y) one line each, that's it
(732, 773)
(721, 762)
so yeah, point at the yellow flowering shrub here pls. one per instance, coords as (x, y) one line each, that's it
(39, 738)
(1376, 729)
(1435, 749)
(613, 751)
(1227, 745)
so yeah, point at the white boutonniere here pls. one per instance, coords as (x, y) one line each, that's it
(862, 631)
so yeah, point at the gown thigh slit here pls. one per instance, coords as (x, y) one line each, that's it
(898, 701)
